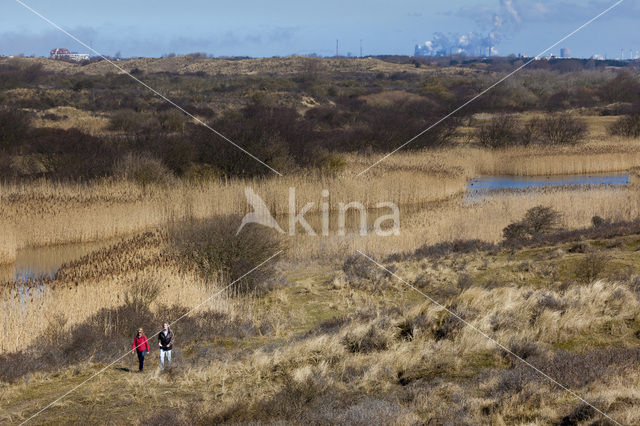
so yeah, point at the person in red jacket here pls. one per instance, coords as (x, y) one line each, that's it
(141, 346)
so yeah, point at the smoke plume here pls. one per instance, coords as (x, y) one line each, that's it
(497, 22)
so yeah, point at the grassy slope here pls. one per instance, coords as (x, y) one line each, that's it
(312, 296)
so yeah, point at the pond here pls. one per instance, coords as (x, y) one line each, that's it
(490, 185)
(36, 262)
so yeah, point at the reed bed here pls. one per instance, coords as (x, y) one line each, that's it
(453, 219)
(27, 312)
(8, 244)
(47, 213)
(599, 155)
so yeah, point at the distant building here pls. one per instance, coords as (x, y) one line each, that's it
(65, 55)
(565, 53)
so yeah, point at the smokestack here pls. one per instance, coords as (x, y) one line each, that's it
(337, 52)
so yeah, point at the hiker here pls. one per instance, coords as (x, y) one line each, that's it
(165, 341)
(141, 346)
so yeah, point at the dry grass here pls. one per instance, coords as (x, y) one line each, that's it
(420, 370)
(381, 354)
(69, 117)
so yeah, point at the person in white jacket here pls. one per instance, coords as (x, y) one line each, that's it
(165, 341)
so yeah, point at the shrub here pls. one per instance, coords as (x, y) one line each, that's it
(447, 325)
(213, 248)
(7, 168)
(142, 169)
(521, 348)
(360, 270)
(562, 129)
(537, 221)
(515, 231)
(530, 132)
(330, 163)
(202, 173)
(72, 154)
(177, 152)
(558, 101)
(598, 221)
(499, 132)
(591, 267)
(439, 250)
(623, 88)
(581, 413)
(16, 75)
(540, 220)
(173, 121)
(275, 135)
(465, 281)
(83, 84)
(627, 126)
(387, 126)
(126, 121)
(14, 128)
(141, 294)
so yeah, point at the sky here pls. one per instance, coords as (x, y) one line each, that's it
(285, 27)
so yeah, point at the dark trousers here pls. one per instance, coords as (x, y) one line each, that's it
(141, 355)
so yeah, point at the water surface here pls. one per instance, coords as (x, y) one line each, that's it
(529, 182)
(33, 263)
(484, 187)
